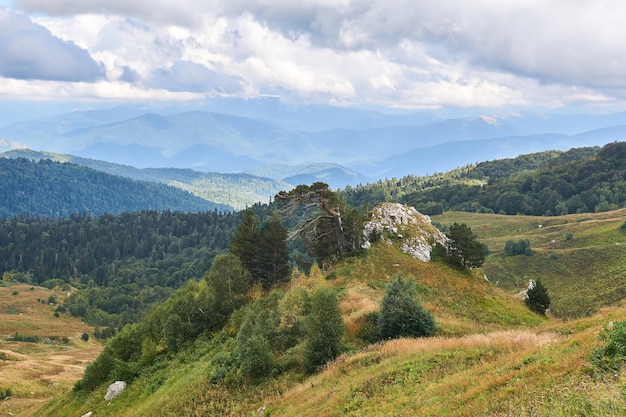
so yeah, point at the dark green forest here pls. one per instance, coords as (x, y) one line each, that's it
(544, 184)
(121, 263)
(53, 189)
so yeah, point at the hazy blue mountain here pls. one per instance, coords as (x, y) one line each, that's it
(334, 175)
(234, 135)
(450, 155)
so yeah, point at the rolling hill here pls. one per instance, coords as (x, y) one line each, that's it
(490, 356)
(53, 189)
(38, 370)
(224, 191)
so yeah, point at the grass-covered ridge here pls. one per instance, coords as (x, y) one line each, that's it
(579, 257)
(490, 354)
(205, 377)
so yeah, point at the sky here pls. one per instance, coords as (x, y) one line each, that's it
(410, 54)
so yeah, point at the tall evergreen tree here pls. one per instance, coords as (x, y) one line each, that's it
(273, 259)
(245, 241)
(464, 246)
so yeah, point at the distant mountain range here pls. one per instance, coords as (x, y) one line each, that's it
(301, 144)
(226, 192)
(52, 189)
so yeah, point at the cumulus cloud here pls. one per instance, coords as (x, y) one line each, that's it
(391, 52)
(189, 76)
(29, 51)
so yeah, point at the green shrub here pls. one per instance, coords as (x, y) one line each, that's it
(401, 313)
(5, 393)
(369, 330)
(255, 356)
(19, 338)
(324, 329)
(610, 354)
(537, 297)
(97, 371)
(521, 247)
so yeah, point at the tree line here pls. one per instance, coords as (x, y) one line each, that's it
(547, 183)
(120, 264)
(58, 190)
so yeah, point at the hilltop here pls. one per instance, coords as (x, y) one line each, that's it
(489, 353)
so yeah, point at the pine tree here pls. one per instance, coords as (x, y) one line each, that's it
(537, 297)
(273, 259)
(464, 246)
(401, 314)
(245, 241)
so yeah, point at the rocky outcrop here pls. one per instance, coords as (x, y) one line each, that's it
(397, 224)
(115, 389)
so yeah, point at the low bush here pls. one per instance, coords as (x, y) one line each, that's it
(5, 393)
(610, 354)
(521, 247)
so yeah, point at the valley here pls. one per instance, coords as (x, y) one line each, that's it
(193, 337)
(490, 355)
(38, 371)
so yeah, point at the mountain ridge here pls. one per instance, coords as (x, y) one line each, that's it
(230, 135)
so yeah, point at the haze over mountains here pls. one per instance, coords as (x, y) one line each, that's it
(302, 143)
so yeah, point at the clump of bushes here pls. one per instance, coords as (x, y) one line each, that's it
(402, 314)
(20, 338)
(5, 393)
(521, 247)
(610, 354)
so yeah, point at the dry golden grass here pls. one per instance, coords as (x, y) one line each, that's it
(36, 372)
(509, 339)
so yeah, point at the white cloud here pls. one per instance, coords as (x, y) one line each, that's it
(29, 51)
(391, 52)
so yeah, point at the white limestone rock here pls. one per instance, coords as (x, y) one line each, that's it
(413, 231)
(115, 389)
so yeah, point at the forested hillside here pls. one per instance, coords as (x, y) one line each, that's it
(52, 189)
(228, 191)
(546, 183)
(122, 264)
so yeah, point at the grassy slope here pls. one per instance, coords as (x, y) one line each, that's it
(582, 274)
(532, 372)
(36, 372)
(490, 356)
